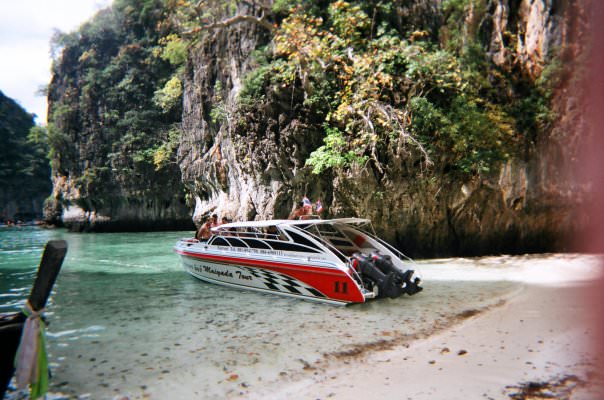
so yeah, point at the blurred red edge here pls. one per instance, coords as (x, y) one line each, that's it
(591, 239)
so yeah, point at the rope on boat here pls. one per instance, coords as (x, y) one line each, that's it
(31, 361)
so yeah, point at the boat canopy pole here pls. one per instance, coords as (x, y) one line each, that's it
(334, 249)
(388, 246)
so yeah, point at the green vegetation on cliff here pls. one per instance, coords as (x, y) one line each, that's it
(380, 74)
(115, 104)
(24, 169)
(374, 82)
(254, 96)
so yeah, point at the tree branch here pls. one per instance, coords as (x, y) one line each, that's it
(225, 23)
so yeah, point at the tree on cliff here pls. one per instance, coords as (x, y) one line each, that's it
(24, 169)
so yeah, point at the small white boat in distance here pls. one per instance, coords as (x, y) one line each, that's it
(335, 261)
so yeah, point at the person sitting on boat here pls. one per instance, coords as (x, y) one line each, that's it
(205, 232)
(298, 212)
(272, 233)
(307, 206)
(230, 231)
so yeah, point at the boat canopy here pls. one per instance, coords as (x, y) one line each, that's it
(290, 222)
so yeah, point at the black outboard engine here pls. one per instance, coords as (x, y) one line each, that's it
(379, 270)
(384, 263)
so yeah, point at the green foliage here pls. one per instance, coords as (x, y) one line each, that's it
(165, 153)
(170, 95)
(372, 86)
(218, 113)
(284, 7)
(254, 84)
(333, 153)
(473, 137)
(349, 22)
(24, 169)
(174, 49)
(441, 94)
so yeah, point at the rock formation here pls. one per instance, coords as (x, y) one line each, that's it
(256, 170)
(113, 167)
(246, 159)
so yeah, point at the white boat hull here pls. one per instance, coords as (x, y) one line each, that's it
(257, 279)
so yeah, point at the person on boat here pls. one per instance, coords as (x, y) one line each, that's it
(318, 207)
(271, 232)
(205, 232)
(298, 212)
(307, 206)
(230, 231)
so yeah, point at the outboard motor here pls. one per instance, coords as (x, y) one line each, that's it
(384, 264)
(386, 283)
(379, 270)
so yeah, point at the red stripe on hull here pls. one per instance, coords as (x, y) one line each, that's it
(333, 283)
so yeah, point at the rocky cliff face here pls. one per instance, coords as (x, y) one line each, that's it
(533, 202)
(251, 164)
(113, 166)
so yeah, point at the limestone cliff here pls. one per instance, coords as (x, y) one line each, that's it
(452, 125)
(251, 163)
(111, 143)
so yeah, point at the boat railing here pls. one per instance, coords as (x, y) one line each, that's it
(330, 246)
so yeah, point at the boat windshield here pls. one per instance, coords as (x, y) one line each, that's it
(268, 238)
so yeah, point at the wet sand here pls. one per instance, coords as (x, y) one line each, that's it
(537, 345)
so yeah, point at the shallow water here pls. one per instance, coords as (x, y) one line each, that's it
(125, 319)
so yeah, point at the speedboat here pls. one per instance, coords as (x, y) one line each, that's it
(335, 261)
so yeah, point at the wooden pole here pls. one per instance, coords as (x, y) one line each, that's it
(52, 259)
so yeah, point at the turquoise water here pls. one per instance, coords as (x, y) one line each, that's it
(125, 319)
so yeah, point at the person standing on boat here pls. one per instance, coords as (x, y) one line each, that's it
(318, 207)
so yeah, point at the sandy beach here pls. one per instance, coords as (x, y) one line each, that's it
(537, 344)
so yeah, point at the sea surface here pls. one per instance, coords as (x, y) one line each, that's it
(126, 321)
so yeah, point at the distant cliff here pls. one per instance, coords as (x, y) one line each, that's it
(452, 125)
(24, 169)
(112, 144)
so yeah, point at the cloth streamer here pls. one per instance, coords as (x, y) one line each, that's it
(31, 361)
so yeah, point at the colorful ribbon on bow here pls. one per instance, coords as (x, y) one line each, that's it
(31, 361)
